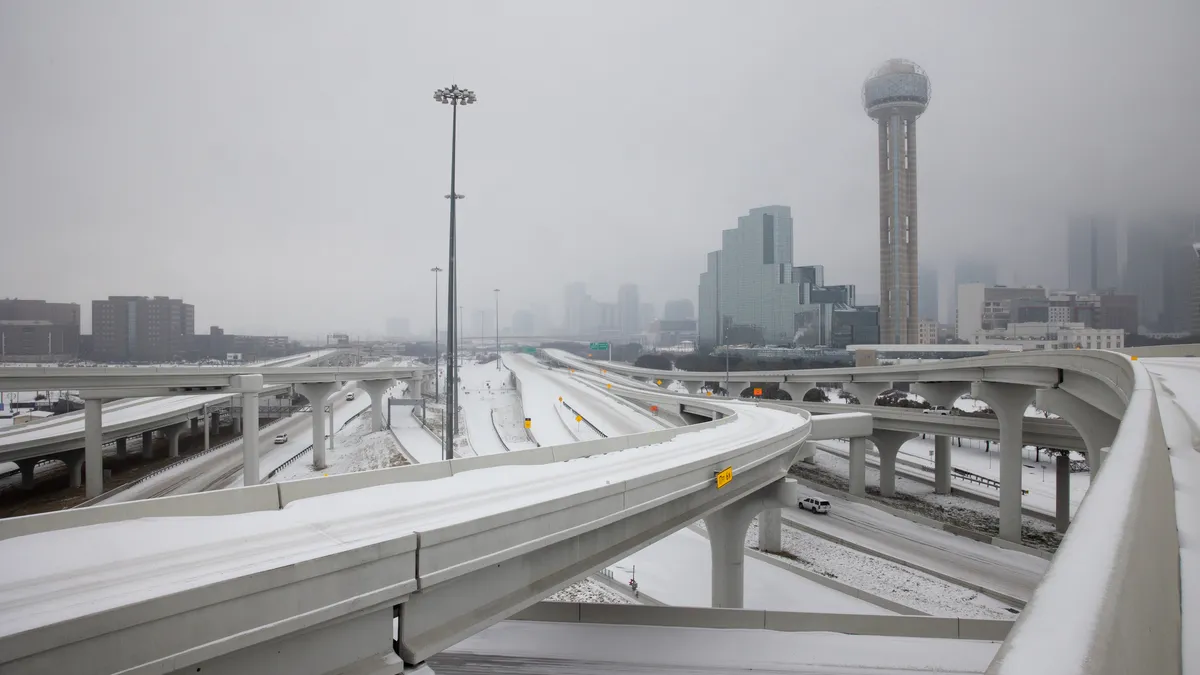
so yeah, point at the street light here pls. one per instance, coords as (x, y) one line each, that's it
(497, 291)
(454, 97)
(436, 355)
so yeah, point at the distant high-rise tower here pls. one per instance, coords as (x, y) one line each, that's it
(1092, 254)
(894, 96)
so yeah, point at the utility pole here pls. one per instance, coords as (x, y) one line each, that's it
(497, 291)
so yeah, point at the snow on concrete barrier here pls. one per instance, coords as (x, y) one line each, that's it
(1110, 602)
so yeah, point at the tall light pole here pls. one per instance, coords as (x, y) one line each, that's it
(454, 97)
(436, 355)
(497, 291)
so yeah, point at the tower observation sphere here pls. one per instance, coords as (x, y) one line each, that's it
(894, 95)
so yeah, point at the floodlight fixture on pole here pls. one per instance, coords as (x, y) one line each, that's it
(453, 96)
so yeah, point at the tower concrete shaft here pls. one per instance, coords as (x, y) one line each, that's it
(898, 228)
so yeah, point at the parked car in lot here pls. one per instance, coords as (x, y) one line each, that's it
(815, 505)
(280, 439)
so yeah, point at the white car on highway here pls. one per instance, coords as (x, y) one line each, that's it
(280, 439)
(815, 505)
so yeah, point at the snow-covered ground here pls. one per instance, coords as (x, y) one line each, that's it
(523, 646)
(677, 571)
(356, 448)
(590, 590)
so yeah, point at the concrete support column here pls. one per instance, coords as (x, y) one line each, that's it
(377, 390)
(727, 542)
(415, 387)
(797, 390)
(941, 465)
(195, 425)
(888, 443)
(237, 422)
(215, 419)
(317, 394)
(74, 462)
(1009, 401)
(26, 466)
(941, 394)
(1062, 492)
(808, 452)
(867, 392)
(173, 433)
(93, 442)
(1097, 428)
(736, 388)
(147, 445)
(122, 447)
(770, 531)
(207, 431)
(249, 438)
(858, 466)
(692, 387)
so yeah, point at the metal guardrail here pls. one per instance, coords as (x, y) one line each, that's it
(273, 472)
(585, 419)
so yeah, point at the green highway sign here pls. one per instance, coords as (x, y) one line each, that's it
(598, 345)
(529, 350)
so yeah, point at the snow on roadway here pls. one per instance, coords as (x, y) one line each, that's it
(1007, 572)
(183, 553)
(539, 397)
(660, 650)
(418, 441)
(485, 390)
(677, 570)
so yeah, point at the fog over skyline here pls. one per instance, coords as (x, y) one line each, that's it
(282, 165)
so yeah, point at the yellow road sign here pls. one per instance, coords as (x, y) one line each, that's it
(724, 477)
(579, 418)
(609, 385)
(560, 399)
(758, 391)
(658, 382)
(528, 423)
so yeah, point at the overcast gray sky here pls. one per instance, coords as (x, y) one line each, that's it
(282, 165)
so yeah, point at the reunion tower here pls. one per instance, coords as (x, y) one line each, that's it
(895, 95)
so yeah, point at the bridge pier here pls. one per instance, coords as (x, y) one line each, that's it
(770, 531)
(727, 539)
(74, 462)
(858, 466)
(377, 390)
(1098, 430)
(93, 447)
(941, 465)
(1009, 401)
(693, 387)
(866, 392)
(317, 394)
(122, 447)
(735, 388)
(173, 433)
(214, 419)
(26, 466)
(148, 445)
(250, 386)
(797, 390)
(888, 443)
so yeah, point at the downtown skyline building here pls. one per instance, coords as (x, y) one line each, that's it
(895, 95)
(752, 293)
(1092, 254)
